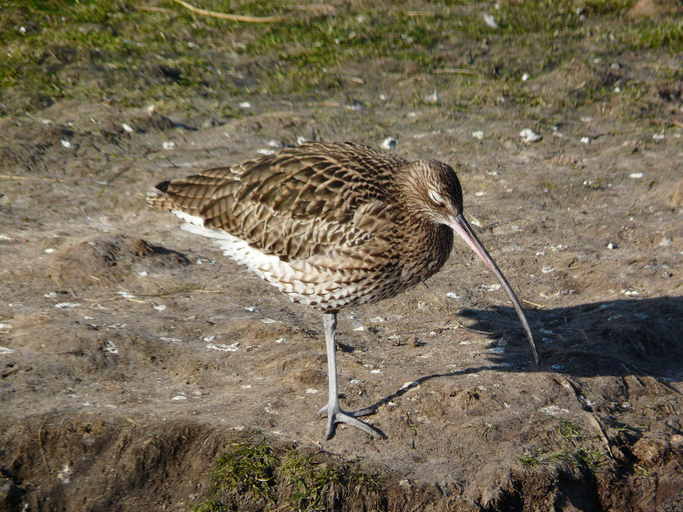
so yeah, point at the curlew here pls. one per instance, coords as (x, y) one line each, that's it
(332, 226)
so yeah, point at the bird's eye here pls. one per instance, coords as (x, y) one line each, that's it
(436, 198)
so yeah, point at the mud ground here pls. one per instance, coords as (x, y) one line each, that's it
(133, 355)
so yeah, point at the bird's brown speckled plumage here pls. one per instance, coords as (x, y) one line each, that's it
(351, 213)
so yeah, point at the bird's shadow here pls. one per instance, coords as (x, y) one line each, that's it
(639, 337)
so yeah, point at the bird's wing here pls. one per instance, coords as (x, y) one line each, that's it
(294, 204)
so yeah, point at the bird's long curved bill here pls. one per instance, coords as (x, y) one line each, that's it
(462, 228)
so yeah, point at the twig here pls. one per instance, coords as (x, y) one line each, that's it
(14, 177)
(231, 17)
(539, 306)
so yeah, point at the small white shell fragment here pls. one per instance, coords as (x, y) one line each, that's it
(67, 305)
(5, 237)
(49, 250)
(168, 339)
(168, 145)
(377, 319)
(389, 143)
(110, 347)
(410, 384)
(274, 143)
(547, 269)
(245, 386)
(178, 398)
(224, 348)
(269, 321)
(611, 246)
(159, 307)
(383, 97)
(490, 287)
(525, 77)
(478, 134)
(489, 20)
(311, 391)
(432, 98)
(359, 328)
(281, 340)
(528, 135)
(480, 194)
(127, 128)
(5, 326)
(658, 136)
(355, 381)
(554, 410)
(245, 104)
(376, 371)
(665, 242)
(265, 151)
(65, 143)
(143, 273)
(5, 350)
(630, 293)
(453, 295)
(251, 309)
(585, 140)
(208, 339)
(300, 140)
(636, 175)
(125, 294)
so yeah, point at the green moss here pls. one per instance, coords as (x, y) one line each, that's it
(246, 471)
(254, 475)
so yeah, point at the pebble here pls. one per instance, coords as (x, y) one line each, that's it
(528, 135)
(478, 134)
(224, 348)
(489, 20)
(67, 305)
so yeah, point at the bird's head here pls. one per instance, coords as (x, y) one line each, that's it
(431, 190)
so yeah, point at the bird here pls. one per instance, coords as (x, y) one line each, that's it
(332, 226)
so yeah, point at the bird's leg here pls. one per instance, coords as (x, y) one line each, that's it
(335, 414)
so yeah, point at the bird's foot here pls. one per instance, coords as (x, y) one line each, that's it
(337, 415)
